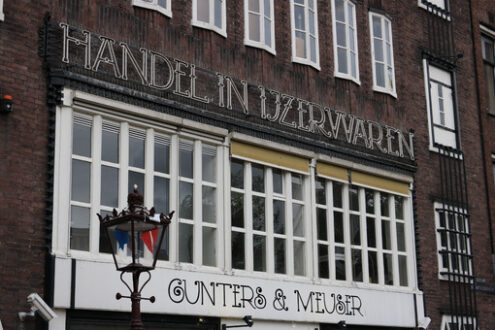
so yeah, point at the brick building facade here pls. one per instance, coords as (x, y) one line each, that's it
(388, 208)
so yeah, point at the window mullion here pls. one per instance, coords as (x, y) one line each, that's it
(227, 203)
(270, 245)
(393, 239)
(289, 225)
(313, 239)
(309, 224)
(331, 228)
(197, 204)
(149, 164)
(248, 217)
(379, 239)
(347, 234)
(174, 201)
(124, 165)
(220, 198)
(364, 237)
(95, 191)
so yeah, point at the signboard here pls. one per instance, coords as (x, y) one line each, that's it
(157, 73)
(206, 294)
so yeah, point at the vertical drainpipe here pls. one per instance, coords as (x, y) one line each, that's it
(483, 154)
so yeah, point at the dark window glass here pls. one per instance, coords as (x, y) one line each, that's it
(278, 217)
(357, 266)
(320, 192)
(340, 263)
(370, 228)
(338, 227)
(279, 255)
(323, 270)
(259, 253)
(337, 194)
(237, 209)
(355, 230)
(321, 217)
(353, 198)
(238, 250)
(237, 174)
(258, 178)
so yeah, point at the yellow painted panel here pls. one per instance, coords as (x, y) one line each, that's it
(276, 158)
(331, 171)
(380, 182)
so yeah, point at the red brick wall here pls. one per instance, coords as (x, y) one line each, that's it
(24, 133)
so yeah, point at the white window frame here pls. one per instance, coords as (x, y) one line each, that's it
(363, 247)
(348, 51)
(211, 24)
(431, 115)
(467, 243)
(447, 319)
(442, 5)
(302, 60)
(262, 43)
(269, 234)
(2, 16)
(488, 33)
(61, 242)
(154, 6)
(389, 90)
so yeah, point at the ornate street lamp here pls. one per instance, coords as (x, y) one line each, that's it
(136, 236)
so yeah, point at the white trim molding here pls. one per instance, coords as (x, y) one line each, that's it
(161, 6)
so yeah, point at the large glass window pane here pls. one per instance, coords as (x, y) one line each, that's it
(137, 179)
(297, 187)
(357, 266)
(321, 224)
(299, 258)
(378, 48)
(209, 246)
(338, 227)
(399, 207)
(340, 263)
(384, 204)
(237, 174)
(355, 230)
(254, 5)
(237, 209)
(105, 243)
(388, 269)
(278, 186)
(372, 267)
(79, 228)
(258, 213)
(186, 200)
(342, 60)
(298, 219)
(259, 253)
(186, 242)
(254, 27)
(278, 217)
(320, 192)
(186, 159)
(380, 74)
(238, 250)
(370, 201)
(339, 10)
(279, 255)
(403, 270)
(136, 149)
(81, 139)
(300, 44)
(268, 32)
(258, 177)
(81, 173)
(299, 18)
(401, 239)
(109, 186)
(162, 156)
(371, 232)
(110, 143)
(323, 270)
(377, 27)
(218, 13)
(353, 198)
(386, 238)
(341, 35)
(337, 194)
(161, 195)
(203, 10)
(209, 204)
(163, 254)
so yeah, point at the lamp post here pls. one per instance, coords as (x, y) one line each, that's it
(135, 236)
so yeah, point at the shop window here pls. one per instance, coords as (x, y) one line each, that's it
(305, 49)
(382, 54)
(488, 51)
(162, 6)
(442, 115)
(110, 157)
(210, 14)
(345, 40)
(456, 322)
(453, 243)
(362, 233)
(260, 24)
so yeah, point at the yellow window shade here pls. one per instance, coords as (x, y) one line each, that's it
(380, 182)
(331, 171)
(270, 156)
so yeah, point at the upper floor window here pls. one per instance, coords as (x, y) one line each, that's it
(345, 40)
(260, 24)
(454, 243)
(458, 322)
(210, 14)
(382, 54)
(488, 51)
(441, 109)
(305, 47)
(163, 6)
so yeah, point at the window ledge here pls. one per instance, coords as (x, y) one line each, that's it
(347, 77)
(306, 62)
(209, 26)
(379, 89)
(436, 150)
(166, 12)
(259, 45)
(442, 12)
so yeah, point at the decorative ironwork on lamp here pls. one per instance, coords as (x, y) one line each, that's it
(135, 236)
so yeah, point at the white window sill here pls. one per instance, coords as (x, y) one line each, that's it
(442, 15)
(347, 77)
(436, 150)
(379, 89)
(304, 61)
(259, 45)
(211, 27)
(166, 12)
